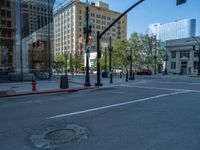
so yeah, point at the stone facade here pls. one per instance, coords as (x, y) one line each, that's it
(183, 59)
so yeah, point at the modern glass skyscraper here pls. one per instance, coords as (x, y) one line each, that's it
(25, 38)
(174, 30)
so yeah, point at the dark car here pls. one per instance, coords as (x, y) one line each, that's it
(144, 72)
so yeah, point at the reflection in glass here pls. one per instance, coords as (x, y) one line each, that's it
(25, 38)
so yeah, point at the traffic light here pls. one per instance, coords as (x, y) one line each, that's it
(179, 2)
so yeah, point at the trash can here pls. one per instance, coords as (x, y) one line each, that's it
(64, 84)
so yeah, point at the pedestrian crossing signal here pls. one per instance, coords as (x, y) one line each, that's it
(180, 2)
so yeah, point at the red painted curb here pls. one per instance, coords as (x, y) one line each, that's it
(49, 92)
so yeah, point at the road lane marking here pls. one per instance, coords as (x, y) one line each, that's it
(179, 83)
(115, 105)
(116, 92)
(157, 88)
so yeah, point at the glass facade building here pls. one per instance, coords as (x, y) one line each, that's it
(173, 30)
(26, 44)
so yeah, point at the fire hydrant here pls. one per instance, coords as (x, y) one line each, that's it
(34, 83)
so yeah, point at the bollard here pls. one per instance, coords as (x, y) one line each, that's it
(133, 75)
(127, 76)
(34, 83)
(111, 77)
(120, 75)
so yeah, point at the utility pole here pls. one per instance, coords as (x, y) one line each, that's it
(87, 31)
(99, 35)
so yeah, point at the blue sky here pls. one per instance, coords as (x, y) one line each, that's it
(155, 11)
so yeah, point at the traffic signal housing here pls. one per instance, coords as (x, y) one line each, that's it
(180, 2)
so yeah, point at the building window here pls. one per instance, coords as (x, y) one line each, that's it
(8, 23)
(8, 4)
(9, 14)
(173, 65)
(173, 54)
(185, 53)
(195, 54)
(195, 65)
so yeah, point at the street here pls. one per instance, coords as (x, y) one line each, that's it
(151, 113)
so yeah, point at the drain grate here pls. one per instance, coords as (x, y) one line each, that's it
(60, 135)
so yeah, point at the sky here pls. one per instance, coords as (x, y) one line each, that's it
(154, 11)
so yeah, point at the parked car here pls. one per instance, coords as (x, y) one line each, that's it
(144, 72)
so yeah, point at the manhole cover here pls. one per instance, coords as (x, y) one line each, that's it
(57, 137)
(60, 135)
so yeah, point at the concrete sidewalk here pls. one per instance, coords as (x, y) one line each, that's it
(53, 85)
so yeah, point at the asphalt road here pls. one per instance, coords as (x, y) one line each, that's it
(150, 114)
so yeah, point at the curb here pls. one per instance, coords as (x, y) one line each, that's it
(49, 92)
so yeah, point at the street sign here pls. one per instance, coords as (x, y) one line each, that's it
(180, 2)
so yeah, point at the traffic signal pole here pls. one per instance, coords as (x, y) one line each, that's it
(99, 35)
(87, 32)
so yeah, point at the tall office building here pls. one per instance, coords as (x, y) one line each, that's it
(69, 21)
(7, 35)
(173, 30)
(35, 15)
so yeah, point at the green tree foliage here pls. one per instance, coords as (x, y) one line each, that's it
(143, 49)
(120, 53)
(136, 45)
(77, 62)
(68, 62)
(59, 63)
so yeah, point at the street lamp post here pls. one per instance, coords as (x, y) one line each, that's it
(49, 40)
(21, 57)
(110, 54)
(66, 60)
(131, 65)
(155, 61)
(99, 35)
(105, 53)
(87, 31)
(198, 67)
(165, 58)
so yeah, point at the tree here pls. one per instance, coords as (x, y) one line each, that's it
(77, 62)
(144, 50)
(135, 43)
(120, 53)
(60, 62)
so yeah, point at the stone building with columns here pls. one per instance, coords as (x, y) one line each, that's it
(182, 56)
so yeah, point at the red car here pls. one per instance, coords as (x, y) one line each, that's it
(144, 72)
